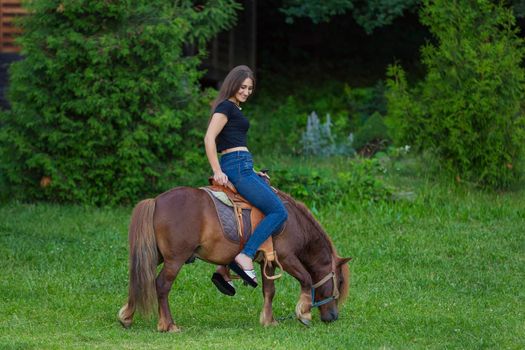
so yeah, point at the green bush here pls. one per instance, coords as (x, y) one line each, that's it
(405, 116)
(374, 129)
(468, 109)
(361, 181)
(363, 102)
(279, 117)
(105, 101)
(279, 120)
(274, 126)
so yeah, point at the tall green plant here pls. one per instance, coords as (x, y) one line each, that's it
(368, 14)
(468, 109)
(105, 97)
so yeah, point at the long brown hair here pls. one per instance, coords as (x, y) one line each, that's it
(232, 83)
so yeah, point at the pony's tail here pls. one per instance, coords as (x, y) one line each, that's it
(143, 258)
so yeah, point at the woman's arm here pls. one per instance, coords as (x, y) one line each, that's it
(217, 122)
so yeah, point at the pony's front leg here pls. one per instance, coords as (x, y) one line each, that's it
(266, 318)
(294, 267)
(303, 308)
(164, 282)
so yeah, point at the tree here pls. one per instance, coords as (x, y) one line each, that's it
(370, 14)
(468, 110)
(105, 97)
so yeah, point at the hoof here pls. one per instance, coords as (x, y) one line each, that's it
(124, 321)
(172, 328)
(125, 324)
(305, 321)
(269, 323)
(303, 317)
(273, 323)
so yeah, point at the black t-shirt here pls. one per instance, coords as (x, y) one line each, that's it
(234, 132)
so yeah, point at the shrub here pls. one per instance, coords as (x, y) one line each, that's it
(278, 118)
(105, 98)
(374, 129)
(361, 181)
(468, 109)
(317, 139)
(365, 102)
(366, 108)
(274, 126)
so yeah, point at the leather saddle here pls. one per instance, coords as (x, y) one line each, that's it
(239, 218)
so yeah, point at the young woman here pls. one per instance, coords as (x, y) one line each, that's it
(226, 134)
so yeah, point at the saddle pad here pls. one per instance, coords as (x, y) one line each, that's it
(222, 197)
(227, 219)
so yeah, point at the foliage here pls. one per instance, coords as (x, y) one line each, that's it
(279, 120)
(518, 6)
(318, 140)
(363, 102)
(278, 117)
(275, 124)
(468, 109)
(366, 108)
(374, 129)
(105, 100)
(369, 14)
(405, 113)
(361, 181)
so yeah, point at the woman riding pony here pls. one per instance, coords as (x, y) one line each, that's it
(226, 134)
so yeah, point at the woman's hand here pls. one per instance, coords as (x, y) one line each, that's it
(263, 173)
(220, 177)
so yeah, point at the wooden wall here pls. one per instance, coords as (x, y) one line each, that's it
(9, 10)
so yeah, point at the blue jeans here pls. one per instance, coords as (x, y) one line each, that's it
(238, 166)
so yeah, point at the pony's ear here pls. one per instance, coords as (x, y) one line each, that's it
(342, 261)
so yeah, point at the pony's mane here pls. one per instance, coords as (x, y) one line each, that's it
(308, 214)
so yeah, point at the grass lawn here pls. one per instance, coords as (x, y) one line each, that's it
(444, 270)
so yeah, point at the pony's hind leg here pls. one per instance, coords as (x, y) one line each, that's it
(164, 283)
(266, 318)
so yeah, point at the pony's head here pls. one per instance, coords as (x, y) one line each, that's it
(332, 290)
(331, 272)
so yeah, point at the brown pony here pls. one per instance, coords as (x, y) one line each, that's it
(182, 224)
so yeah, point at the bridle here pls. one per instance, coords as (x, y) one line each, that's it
(335, 291)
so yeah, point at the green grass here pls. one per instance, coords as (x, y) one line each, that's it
(444, 270)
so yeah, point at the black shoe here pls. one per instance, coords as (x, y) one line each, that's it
(244, 274)
(222, 285)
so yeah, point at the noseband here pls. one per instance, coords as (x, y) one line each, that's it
(335, 292)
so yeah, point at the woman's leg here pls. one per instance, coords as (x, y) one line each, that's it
(261, 195)
(239, 168)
